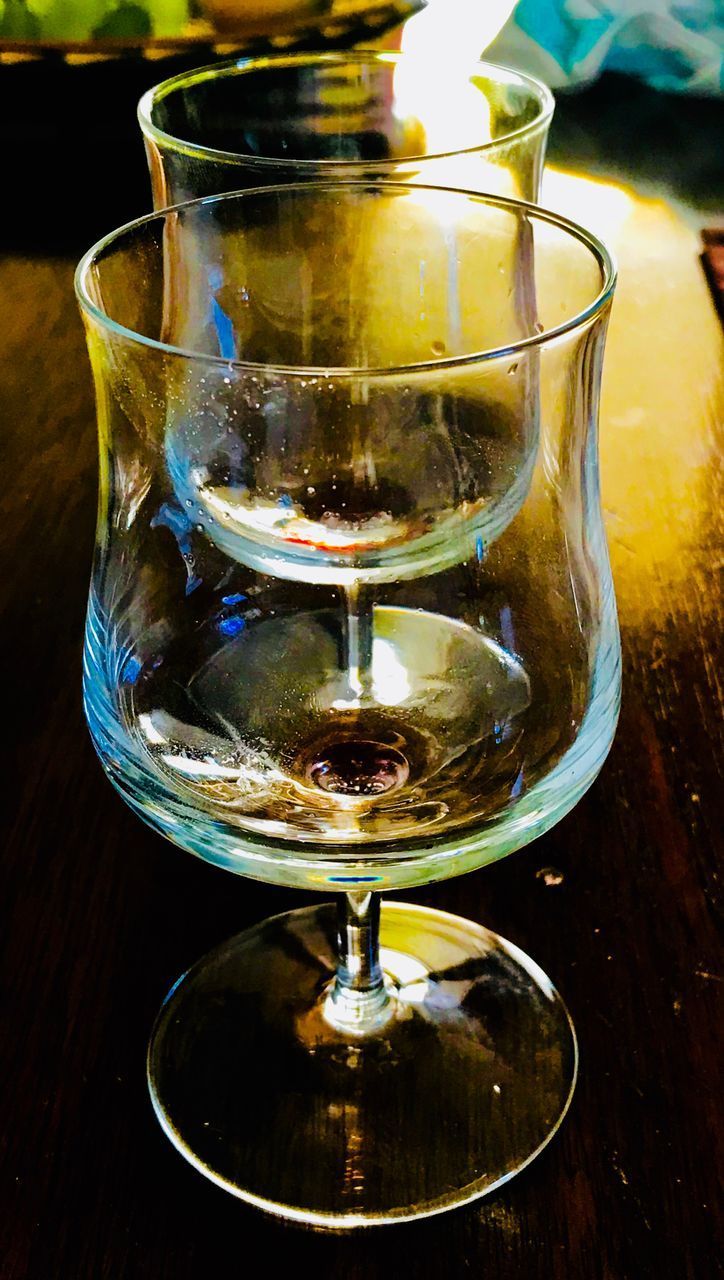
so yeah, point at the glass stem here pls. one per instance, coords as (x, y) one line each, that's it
(359, 1001)
(358, 635)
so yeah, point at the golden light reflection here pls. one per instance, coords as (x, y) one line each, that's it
(440, 43)
(601, 207)
(663, 384)
(662, 396)
(456, 109)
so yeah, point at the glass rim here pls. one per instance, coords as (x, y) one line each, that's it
(240, 66)
(596, 247)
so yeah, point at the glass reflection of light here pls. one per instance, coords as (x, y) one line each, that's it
(440, 43)
(409, 974)
(456, 109)
(152, 734)
(199, 768)
(391, 685)
(454, 30)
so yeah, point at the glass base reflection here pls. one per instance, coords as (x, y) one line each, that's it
(464, 1079)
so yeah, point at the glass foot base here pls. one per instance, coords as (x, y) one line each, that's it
(463, 1085)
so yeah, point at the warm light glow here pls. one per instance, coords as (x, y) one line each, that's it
(662, 389)
(447, 31)
(440, 44)
(456, 108)
(601, 207)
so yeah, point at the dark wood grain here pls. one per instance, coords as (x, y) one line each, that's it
(103, 915)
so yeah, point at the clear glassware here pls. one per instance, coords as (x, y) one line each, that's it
(355, 115)
(351, 627)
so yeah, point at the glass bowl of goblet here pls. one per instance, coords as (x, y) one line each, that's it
(358, 114)
(351, 628)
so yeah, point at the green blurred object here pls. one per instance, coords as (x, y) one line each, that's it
(17, 22)
(113, 26)
(68, 19)
(127, 20)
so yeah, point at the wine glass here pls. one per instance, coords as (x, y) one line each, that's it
(351, 627)
(356, 115)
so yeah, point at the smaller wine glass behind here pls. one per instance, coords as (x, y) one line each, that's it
(356, 114)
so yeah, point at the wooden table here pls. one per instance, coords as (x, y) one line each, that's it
(617, 903)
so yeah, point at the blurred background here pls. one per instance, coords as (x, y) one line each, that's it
(625, 72)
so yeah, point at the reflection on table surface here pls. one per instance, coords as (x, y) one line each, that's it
(663, 392)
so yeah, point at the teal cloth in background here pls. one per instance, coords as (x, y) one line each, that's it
(674, 45)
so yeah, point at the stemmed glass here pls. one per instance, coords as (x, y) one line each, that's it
(361, 114)
(351, 627)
